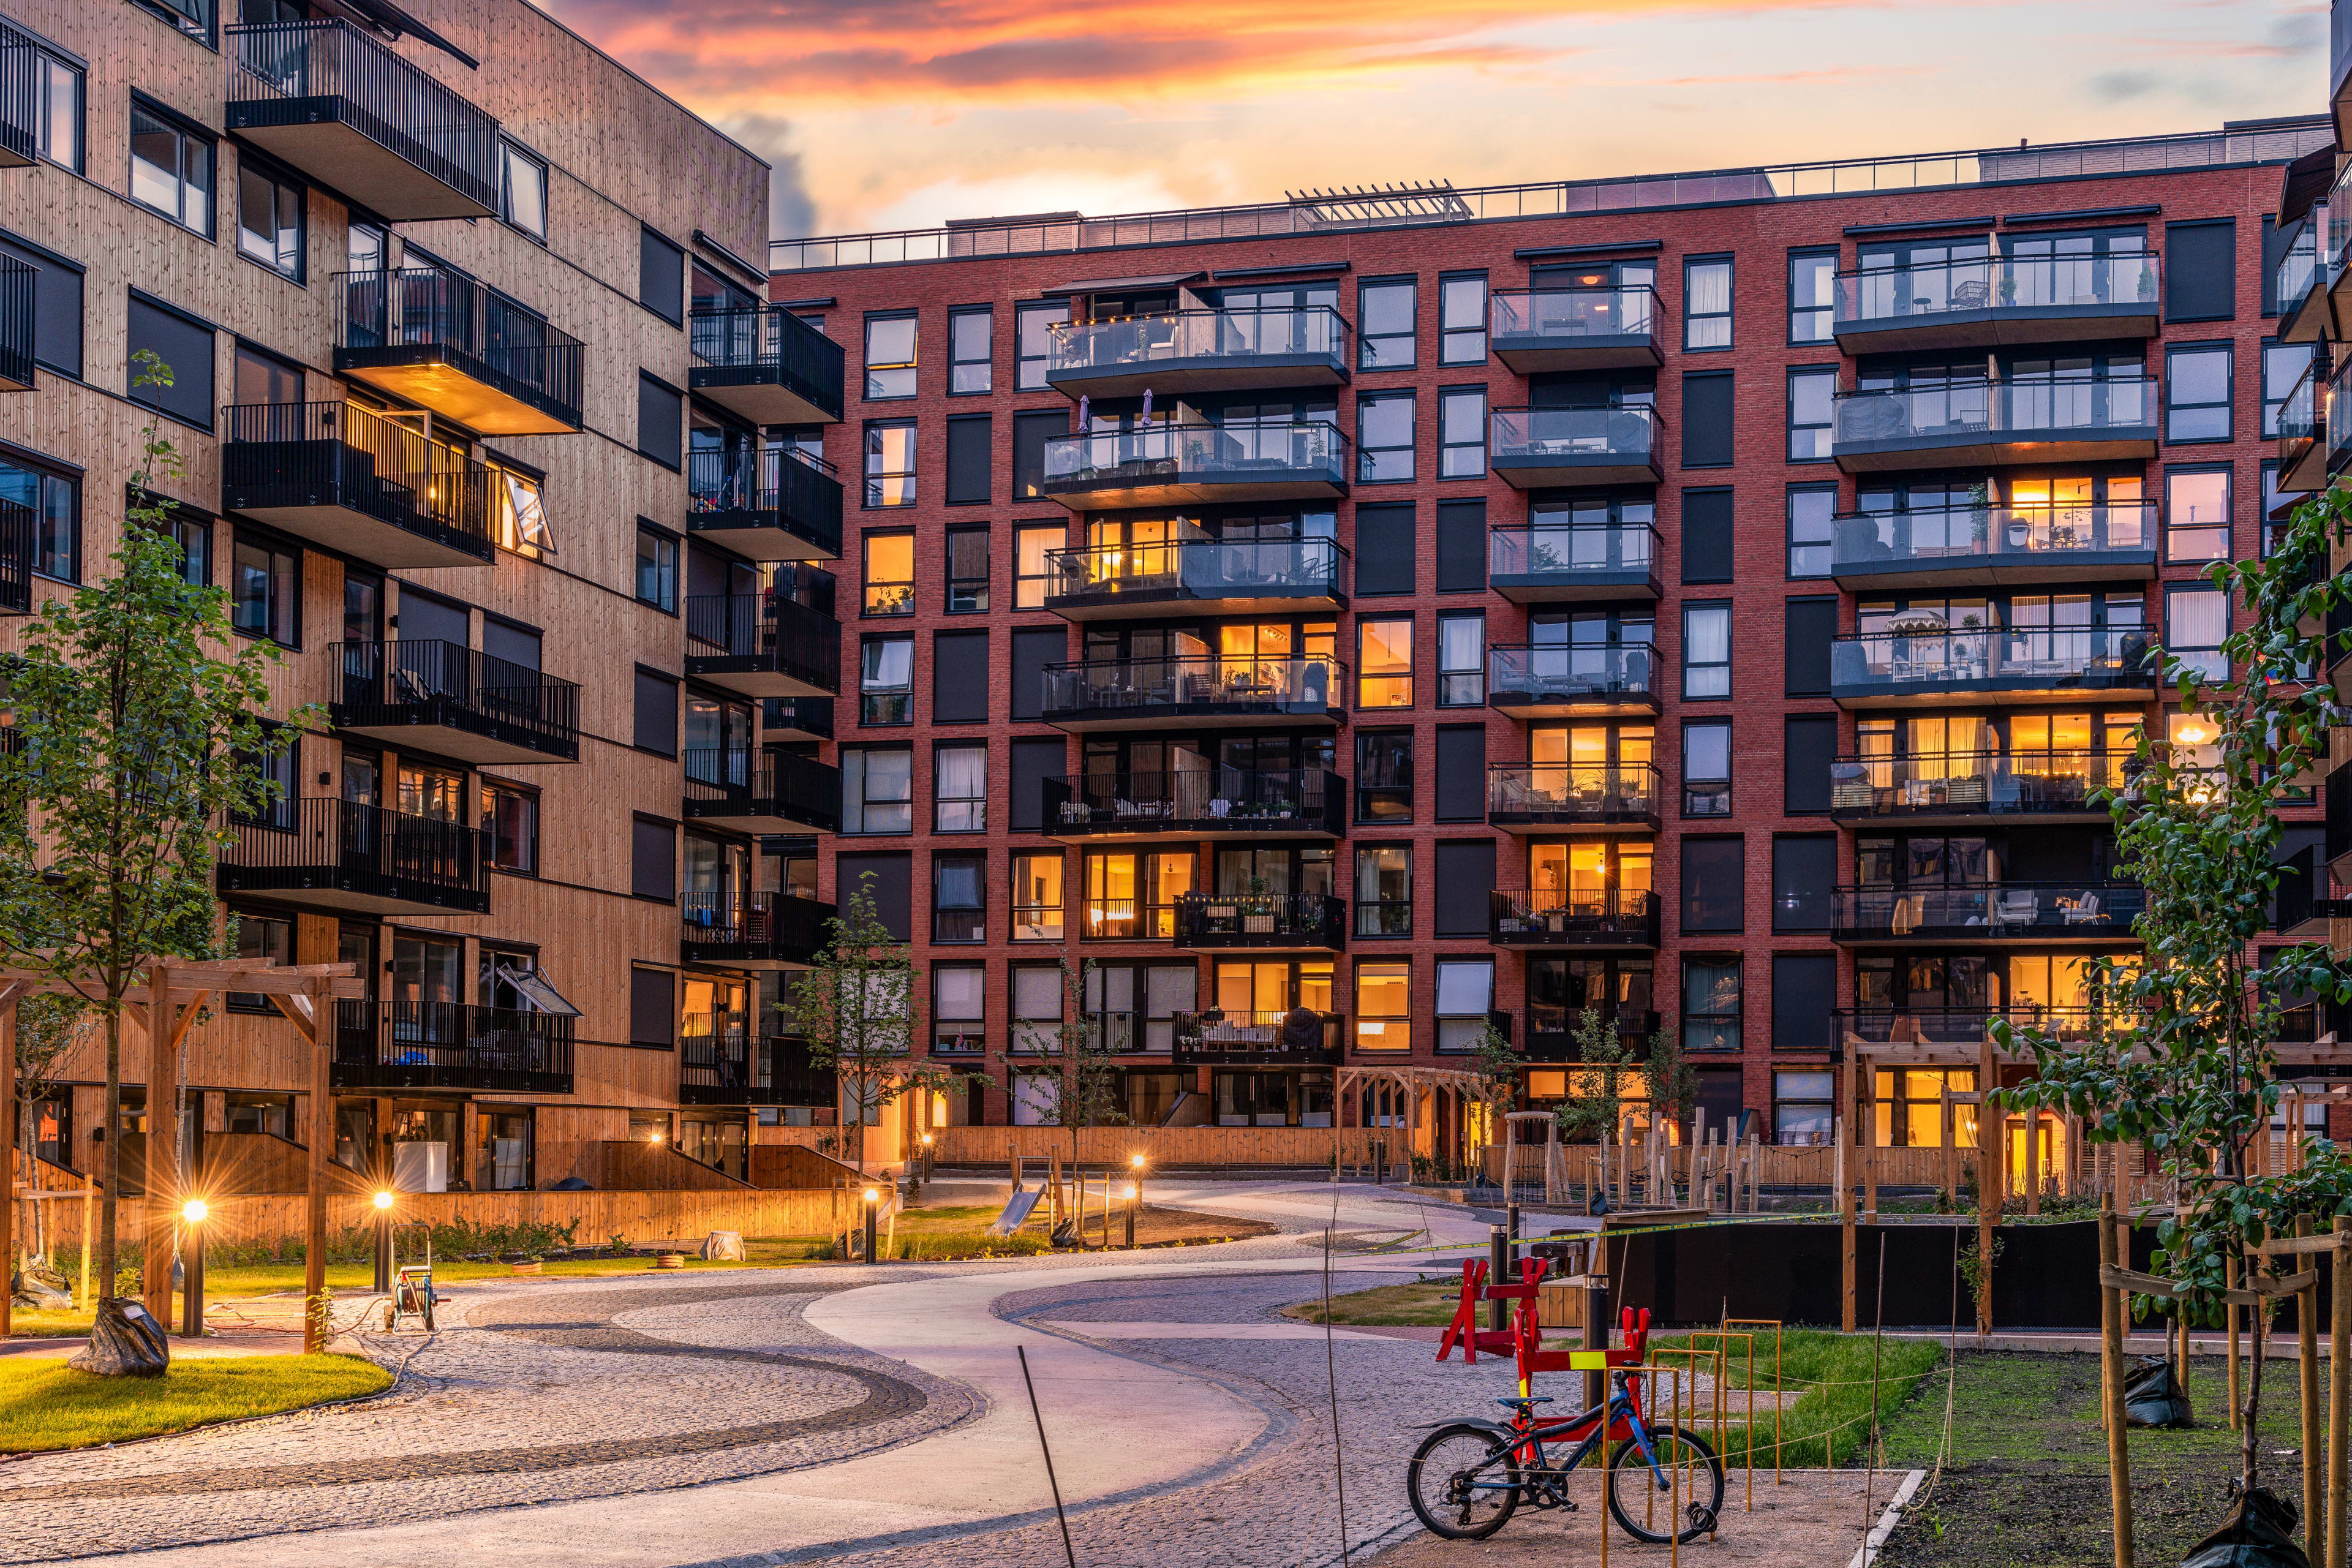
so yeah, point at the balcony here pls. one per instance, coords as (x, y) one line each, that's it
(733, 1068)
(1993, 546)
(2339, 419)
(1241, 577)
(1281, 923)
(1150, 693)
(440, 340)
(343, 107)
(1996, 302)
(1562, 680)
(765, 364)
(2304, 448)
(1573, 562)
(450, 1046)
(16, 309)
(20, 65)
(1961, 789)
(347, 479)
(1208, 802)
(796, 718)
(16, 540)
(1198, 465)
(2339, 69)
(346, 855)
(744, 791)
(1989, 422)
(774, 504)
(1570, 798)
(446, 698)
(762, 644)
(1537, 331)
(1546, 448)
(1987, 914)
(1551, 919)
(1216, 1038)
(2000, 666)
(1200, 350)
(2302, 280)
(752, 931)
(1873, 1031)
(1550, 1035)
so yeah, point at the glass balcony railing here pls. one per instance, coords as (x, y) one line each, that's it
(1568, 437)
(1959, 536)
(1605, 917)
(2052, 284)
(1297, 451)
(1527, 674)
(1963, 783)
(2088, 657)
(2339, 419)
(1990, 911)
(1204, 685)
(1568, 319)
(1241, 338)
(2299, 427)
(2299, 268)
(1981, 411)
(1209, 800)
(1958, 1027)
(1197, 571)
(1571, 792)
(1563, 554)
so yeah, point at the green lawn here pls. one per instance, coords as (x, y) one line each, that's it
(46, 1405)
(1832, 1375)
(1420, 1304)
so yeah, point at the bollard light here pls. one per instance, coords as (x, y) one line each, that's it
(383, 1200)
(383, 1271)
(191, 1268)
(1134, 1194)
(873, 1206)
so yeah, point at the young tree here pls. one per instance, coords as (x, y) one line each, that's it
(858, 1008)
(138, 721)
(1668, 1078)
(1079, 1057)
(1496, 1066)
(1595, 1104)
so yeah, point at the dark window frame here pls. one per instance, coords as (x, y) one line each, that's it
(988, 363)
(1827, 313)
(1366, 453)
(2227, 350)
(649, 529)
(1701, 798)
(973, 606)
(1381, 920)
(1822, 544)
(495, 788)
(1808, 373)
(2226, 526)
(1365, 352)
(289, 616)
(1446, 334)
(868, 365)
(1476, 676)
(189, 131)
(874, 480)
(1690, 665)
(1477, 445)
(1691, 317)
(251, 163)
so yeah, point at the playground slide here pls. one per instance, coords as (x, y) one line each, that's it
(1016, 1213)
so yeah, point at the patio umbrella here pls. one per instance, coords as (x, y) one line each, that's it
(1085, 405)
(1147, 403)
(1919, 623)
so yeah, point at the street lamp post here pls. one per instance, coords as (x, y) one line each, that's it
(927, 1157)
(873, 1206)
(1134, 1194)
(191, 1268)
(383, 1243)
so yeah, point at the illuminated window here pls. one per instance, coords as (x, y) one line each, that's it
(522, 514)
(1384, 663)
(1384, 1006)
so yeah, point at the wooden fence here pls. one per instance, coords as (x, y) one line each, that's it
(1291, 1147)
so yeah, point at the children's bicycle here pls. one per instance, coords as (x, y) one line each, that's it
(1468, 1477)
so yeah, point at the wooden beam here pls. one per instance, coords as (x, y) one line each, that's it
(163, 1143)
(8, 1156)
(323, 1137)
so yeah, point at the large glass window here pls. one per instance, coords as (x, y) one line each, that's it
(959, 906)
(1033, 326)
(657, 569)
(1037, 897)
(1812, 391)
(877, 789)
(1462, 318)
(1812, 300)
(1384, 777)
(960, 789)
(1706, 768)
(2197, 393)
(889, 357)
(1707, 650)
(170, 169)
(269, 218)
(890, 573)
(510, 818)
(1384, 663)
(1384, 325)
(1711, 1004)
(1036, 1007)
(519, 514)
(265, 590)
(54, 502)
(1466, 995)
(2196, 514)
(1030, 546)
(886, 684)
(58, 132)
(522, 190)
(890, 463)
(1461, 433)
(2283, 366)
(967, 555)
(959, 1006)
(1707, 304)
(1384, 889)
(1385, 435)
(1811, 509)
(971, 339)
(1384, 1006)
(2196, 623)
(1804, 1108)
(1461, 660)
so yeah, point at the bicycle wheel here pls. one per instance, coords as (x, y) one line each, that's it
(1464, 1482)
(1629, 1481)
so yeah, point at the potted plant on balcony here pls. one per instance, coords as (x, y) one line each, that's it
(1259, 909)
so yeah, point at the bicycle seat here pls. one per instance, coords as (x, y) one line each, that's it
(1522, 1401)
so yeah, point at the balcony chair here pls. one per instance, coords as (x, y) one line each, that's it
(2019, 907)
(2083, 912)
(1970, 296)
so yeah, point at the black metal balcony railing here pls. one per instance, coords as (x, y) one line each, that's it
(1551, 1031)
(1535, 918)
(1309, 452)
(748, 928)
(1261, 920)
(1608, 438)
(2047, 285)
(1608, 555)
(1567, 317)
(1215, 1038)
(1991, 912)
(1568, 794)
(20, 67)
(450, 1044)
(2302, 429)
(15, 308)
(1207, 801)
(737, 782)
(2026, 539)
(1942, 784)
(431, 316)
(1242, 340)
(775, 487)
(1203, 685)
(349, 849)
(430, 683)
(1961, 1028)
(16, 542)
(1968, 414)
(1125, 920)
(771, 630)
(733, 1068)
(300, 74)
(766, 345)
(1529, 674)
(1883, 664)
(287, 458)
(1196, 572)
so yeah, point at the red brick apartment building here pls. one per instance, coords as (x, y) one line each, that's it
(1707, 596)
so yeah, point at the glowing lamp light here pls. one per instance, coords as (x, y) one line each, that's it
(383, 1200)
(2194, 734)
(194, 1210)
(1130, 1194)
(1136, 1160)
(872, 1196)
(926, 1140)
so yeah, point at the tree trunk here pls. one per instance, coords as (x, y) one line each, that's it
(2247, 1451)
(113, 1130)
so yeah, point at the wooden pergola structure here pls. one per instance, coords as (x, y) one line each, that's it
(1450, 1091)
(166, 1008)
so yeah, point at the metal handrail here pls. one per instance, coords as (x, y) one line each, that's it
(1621, 310)
(1200, 568)
(1982, 409)
(404, 480)
(1568, 550)
(419, 672)
(439, 308)
(1993, 529)
(1301, 684)
(1288, 330)
(1878, 295)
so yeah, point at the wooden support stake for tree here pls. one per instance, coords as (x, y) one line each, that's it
(2230, 1315)
(2111, 1362)
(322, 1141)
(2307, 1334)
(8, 1161)
(1848, 1240)
(163, 1156)
(2339, 1390)
(1987, 1183)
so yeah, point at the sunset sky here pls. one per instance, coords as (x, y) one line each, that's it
(884, 114)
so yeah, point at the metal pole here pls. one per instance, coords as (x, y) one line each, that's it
(1596, 1329)
(1134, 1201)
(1498, 1257)
(1069, 1553)
(383, 1252)
(192, 1287)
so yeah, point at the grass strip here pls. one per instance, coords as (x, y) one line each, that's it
(1830, 1375)
(46, 1405)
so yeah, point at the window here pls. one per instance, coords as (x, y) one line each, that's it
(57, 131)
(2196, 514)
(1711, 1004)
(1384, 777)
(1808, 631)
(1030, 545)
(268, 217)
(960, 789)
(1036, 1006)
(1462, 318)
(1032, 652)
(960, 683)
(1811, 509)
(1706, 768)
(885, 681)
(1384, 1006)
(661, 421)
(2269, 531)
(522, 190)
(1461, 433)
(1707, 650)
(1030, 432)
(1384, 663)
(890, 463)
(1713, 886)
(1466, 995)
(1387, 543)
(510, 818)
(2196, 622)
(657, 714)
(1384, 890)
(877, 786)
(1804, 1108)
(54, 502)
(1384, 326)
(2197, 393)
(260, 936)
(1707, 304)
(653, 1007)
(1809, 745)
(171, 168)
(519, 514)
(958, 908)
(653, 859)
(971, 337)
(658, 568)
(661, 276)
(1461, 661)
(1812, 281)
(968, 468)
(1037, 897)
(1811, 390)
(56, 306)
(265, 590)
(1462, 545)
(2283, 366)
(890, 573)
(967, 571)
(1032, 327)
(276, 775)
(958, 1007)
(259, 376)
(193, 535)
(889, 357)
(1804, 879)
(2200, 273)
(184, 345)
(1383, 435)
(1706, 419)
(1707, 552)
